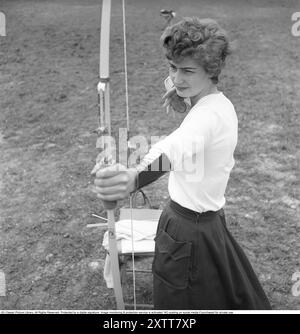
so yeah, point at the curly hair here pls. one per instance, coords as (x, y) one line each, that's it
(202, 39)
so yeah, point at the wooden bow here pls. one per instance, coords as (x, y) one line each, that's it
(104, 133)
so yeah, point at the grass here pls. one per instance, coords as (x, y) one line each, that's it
(49, 72)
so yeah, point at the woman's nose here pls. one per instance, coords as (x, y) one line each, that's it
(177, 78)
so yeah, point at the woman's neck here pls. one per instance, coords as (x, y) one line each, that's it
(211, 89)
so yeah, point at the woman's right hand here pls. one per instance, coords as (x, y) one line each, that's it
(172, 100)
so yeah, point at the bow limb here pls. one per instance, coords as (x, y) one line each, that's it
(103, 131)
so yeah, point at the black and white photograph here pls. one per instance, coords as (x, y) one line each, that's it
(150, 155)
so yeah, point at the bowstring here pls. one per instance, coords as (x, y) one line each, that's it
(125, 67)
(128, 145)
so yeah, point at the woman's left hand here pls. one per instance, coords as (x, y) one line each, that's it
(114, 182)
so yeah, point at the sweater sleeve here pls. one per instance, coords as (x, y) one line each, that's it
(186, 144)
(151, 169)
(181, 151)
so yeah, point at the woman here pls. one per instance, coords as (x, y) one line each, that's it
(197, 263)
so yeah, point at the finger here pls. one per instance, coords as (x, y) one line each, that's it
(119, 179)
(107, 191)
(166, 103)
(110, 171)
(169, 93)
(111, 195)
(109, 198)
(96, 168)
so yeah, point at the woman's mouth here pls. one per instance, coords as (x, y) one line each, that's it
(181, 88)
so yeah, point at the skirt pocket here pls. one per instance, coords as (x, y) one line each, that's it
(172, 260)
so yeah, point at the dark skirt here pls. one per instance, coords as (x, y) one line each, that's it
(199, 266)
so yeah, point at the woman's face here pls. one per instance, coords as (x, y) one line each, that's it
(189, 78)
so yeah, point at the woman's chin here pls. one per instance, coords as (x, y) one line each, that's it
(181, 94)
